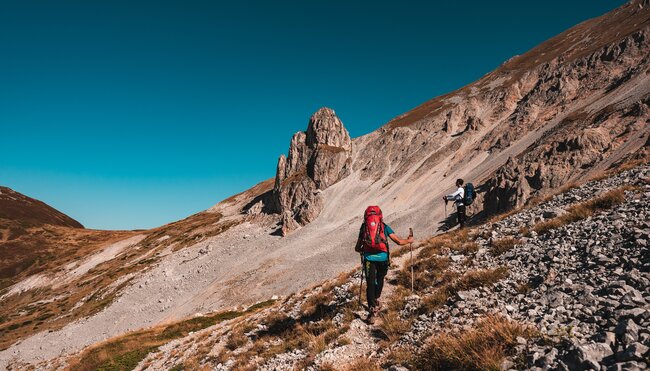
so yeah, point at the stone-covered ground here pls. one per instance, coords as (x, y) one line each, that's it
(578, 280)
(585, 285)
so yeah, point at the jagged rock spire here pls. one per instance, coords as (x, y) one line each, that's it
(317, 159)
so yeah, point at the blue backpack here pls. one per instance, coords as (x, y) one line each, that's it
(470, 195)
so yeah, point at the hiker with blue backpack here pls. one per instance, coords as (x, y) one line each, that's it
(375, 255)
(462, 197)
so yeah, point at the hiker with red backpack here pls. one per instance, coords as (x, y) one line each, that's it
(375, 255)
(464, 196)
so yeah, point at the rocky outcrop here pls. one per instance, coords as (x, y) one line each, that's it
(317, 159)
(560, 158)
(597, 68)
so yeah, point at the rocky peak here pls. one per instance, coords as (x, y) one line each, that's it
(325, 128)
(317, 159)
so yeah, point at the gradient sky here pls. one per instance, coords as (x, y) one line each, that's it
(131, 114)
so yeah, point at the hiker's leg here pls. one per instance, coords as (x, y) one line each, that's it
(371, 277)
(461, 216)
(382, 269)
(464, 214)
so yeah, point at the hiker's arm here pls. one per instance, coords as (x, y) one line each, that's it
(453, 196)
(400, 241)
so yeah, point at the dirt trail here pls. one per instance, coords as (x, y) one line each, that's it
(365, 338)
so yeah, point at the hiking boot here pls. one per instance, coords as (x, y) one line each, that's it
(372, 314)
(371, 318)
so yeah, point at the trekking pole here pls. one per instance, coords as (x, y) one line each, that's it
(361, 282)
(412, 274)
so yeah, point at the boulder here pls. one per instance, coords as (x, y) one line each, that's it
(628, 366)
(634, 352)
(627, 331)
(588, 356)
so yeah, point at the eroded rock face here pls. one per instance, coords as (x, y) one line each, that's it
(317, 159)
(554, 161)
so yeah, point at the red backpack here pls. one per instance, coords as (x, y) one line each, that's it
(374, 238)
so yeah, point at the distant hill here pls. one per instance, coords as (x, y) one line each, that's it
(18, 207)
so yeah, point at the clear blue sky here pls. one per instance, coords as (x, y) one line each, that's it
(131, 114)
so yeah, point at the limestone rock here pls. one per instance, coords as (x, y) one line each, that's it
(634, 352)
(588, 356)
(317, 159)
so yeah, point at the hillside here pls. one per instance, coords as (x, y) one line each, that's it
(562, 284)
(572, 108)
(16, 206)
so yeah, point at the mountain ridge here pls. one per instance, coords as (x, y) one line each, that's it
(517, 138)
(18, 207)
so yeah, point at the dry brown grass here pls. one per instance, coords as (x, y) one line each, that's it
(362, 364)
(483, 347)
(431, 302)
(29, 249)
(631, 164)
(393, 326)
(480, 278)
(619, 168)
(343, 340)
(32, 249)
(453, 284)
(237, 338)
(313, 338)
(316, 305)
(401, 250)
(428, 272)
(584, 210)
(503, 245)
(456, 240)
(428, 266)
(399, 356)
(312, 332)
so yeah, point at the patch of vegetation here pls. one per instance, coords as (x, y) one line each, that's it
(428, 272)
(503, 245)
(483, 347)
(236, 338)
(401, 356)
(260, 305)
(480, 278)
(363, 364)
(392, 325)
(313, 331)
(470, 280)
(584, 210)
(120, 352)
(183, 328)
(126, 361)
(317, 305)
(458, 240)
